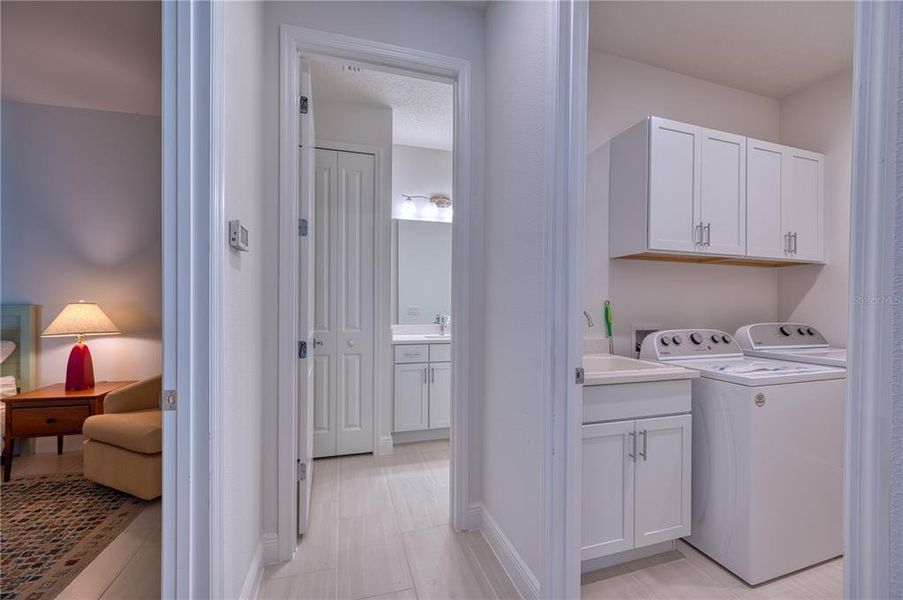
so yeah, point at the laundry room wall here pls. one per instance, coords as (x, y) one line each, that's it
(621, 93)
(820, 118)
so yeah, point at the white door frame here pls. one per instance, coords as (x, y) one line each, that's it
(383, 213)
(193, 224)
(566, 99)
(871, 389)
(298, 41)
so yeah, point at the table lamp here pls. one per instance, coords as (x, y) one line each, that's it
(80, 319)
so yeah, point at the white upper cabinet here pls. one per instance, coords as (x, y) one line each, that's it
(802, 208)
(673, 185)
(722, 213)
(785, 202)
(680, 190)
(764, 185)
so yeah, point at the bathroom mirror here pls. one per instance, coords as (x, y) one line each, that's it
(423, 264)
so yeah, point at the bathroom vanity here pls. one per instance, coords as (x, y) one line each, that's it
(422, 396)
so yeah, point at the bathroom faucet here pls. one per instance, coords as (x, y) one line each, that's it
(443, 321)
(589, 319)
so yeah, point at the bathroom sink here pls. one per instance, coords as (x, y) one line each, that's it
(605, 369)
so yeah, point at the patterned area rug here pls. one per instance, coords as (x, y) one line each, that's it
(52, 527)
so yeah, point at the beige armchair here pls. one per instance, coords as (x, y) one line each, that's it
(123, 446)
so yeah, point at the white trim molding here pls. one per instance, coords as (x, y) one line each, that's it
(515, 567)
(254, 576)
(566, 92)
(193, 263)
(876, 259)
(296, 42)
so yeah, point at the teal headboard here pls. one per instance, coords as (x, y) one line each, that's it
(19, 324)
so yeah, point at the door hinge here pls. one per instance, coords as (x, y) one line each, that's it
(580, 375)
(304, 104)
(302, 471)
(302, 227)
(302, 349)
(168, 400)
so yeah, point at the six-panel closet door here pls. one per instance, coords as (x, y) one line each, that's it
(343, 308)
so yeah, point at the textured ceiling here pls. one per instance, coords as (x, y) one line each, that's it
(768, 48)
(422, 110)
(97, 55)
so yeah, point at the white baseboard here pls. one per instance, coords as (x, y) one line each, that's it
(520, 574)
(270, 543)
(254, 576)
(427, 435)
(603, 562)
(385, 445)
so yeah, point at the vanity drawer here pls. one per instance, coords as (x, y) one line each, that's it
(440, 352)
(412, 353)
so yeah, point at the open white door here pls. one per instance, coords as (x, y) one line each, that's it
(305, 301)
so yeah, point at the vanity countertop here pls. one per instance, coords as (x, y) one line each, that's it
(421, 338)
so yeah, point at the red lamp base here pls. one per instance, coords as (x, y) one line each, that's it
(80, 370)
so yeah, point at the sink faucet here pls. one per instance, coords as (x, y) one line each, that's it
(443, 321)
(589, 319)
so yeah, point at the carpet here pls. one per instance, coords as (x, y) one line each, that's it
(52, 527)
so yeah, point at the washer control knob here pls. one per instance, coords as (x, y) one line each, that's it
(665, 341)
(801, 330)
(695, 337)
(716, 339)
(726, 338)
(785, 330)
(677, 340)
(810, 331)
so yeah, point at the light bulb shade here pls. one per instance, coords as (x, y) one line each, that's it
(81, 318)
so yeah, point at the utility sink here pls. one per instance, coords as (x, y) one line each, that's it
(606, 369)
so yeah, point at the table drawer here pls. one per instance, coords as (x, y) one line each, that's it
(48, 421)
(412, 353)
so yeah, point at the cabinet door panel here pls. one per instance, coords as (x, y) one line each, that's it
(440, 395)
(607, 489)
(412, 397)
(802, 208)
(764, 188)
(723, 193)
(673, 185)
(662, 480)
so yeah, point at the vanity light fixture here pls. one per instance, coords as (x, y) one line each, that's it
(432, 208)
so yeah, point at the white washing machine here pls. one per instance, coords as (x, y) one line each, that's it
(798, 342)
(767, 467)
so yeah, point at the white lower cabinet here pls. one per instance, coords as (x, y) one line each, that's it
(422, 389)
(636, 484)
(440, 395)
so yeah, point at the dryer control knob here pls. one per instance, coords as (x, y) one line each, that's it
(716, 339)
(677, 340)
(726, 338)
(696, 338)
(665, 341)
(785, 330)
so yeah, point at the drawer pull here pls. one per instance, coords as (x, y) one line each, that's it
(50, 421)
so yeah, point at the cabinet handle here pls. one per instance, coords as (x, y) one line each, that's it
(787, 242)
(51, 421)
(708, 234)
(645, 440)
(424, 375)
(432, 375)
(632, 453)
(794, 241)
(697, 234)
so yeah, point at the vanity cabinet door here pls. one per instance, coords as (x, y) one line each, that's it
(674, 190)
(662, 479)
(607, 488)
(440, 395)
(412, 397)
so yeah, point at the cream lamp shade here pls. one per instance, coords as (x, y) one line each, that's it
(81, 319)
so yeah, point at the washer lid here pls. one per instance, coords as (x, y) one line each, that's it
(832, 357)
(759, 371)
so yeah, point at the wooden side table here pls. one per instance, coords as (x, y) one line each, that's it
(51, 411)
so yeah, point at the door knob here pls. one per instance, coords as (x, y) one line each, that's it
(317, 342)
(351, 343)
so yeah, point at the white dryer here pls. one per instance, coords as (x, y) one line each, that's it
(767, 466)
(790, 341)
